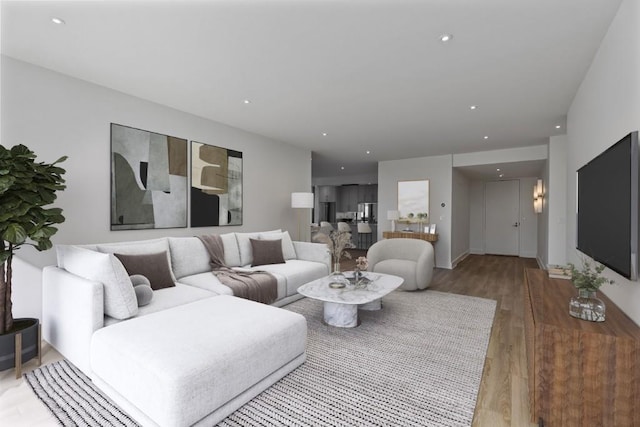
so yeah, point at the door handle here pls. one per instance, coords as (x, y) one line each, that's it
(516, 224)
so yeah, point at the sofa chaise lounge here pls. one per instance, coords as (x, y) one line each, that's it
(195, 353)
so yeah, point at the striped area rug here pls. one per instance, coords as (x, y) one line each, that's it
(417, 362)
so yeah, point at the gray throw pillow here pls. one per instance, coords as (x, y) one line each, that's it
(142, 287)
(267, 252)
(144, 294)
(154, 267)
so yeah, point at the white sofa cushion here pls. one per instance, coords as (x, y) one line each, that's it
(288, 251)
(219, 348)
(297, 273)
(188, 256)
(119, 296)
(206, 281)
(231, 250)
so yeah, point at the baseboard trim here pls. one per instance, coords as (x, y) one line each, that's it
(459, 259)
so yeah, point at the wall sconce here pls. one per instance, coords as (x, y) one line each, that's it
(538, 196)
(301, 201)
(393, 216)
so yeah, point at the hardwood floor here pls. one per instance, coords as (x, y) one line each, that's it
(503, 398)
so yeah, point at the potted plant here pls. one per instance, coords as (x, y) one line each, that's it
(587, 280)
(26, 187)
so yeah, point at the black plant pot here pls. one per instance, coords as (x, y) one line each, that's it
(28, 329)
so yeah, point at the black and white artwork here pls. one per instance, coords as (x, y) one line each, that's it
(148, 179)
(216, 185)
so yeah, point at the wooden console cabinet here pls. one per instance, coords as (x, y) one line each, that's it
(580, 373)
(410, 235)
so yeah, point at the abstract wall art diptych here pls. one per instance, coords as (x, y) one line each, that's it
(216, 186)
(148, 179)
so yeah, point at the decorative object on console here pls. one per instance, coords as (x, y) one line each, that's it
(586, 306)
(26, 187)
(216, 186)
(393, 216)
(301, 201)
(148, 179)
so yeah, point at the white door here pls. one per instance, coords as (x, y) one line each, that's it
(502, 213)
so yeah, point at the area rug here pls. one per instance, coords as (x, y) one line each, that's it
(417, 362)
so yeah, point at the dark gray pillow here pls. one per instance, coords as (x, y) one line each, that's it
(266, 252)
(154, 267)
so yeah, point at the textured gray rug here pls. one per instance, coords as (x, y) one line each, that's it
(418, 362)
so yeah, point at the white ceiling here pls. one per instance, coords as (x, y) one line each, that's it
(370, 73)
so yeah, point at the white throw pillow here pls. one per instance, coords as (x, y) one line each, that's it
(231, 250)
(288, 250)
(119, 296)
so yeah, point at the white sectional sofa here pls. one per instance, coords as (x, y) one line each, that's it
(195, 353)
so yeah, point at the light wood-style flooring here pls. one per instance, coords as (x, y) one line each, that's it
(503, 398)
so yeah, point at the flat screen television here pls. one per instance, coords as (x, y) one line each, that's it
(607, 219)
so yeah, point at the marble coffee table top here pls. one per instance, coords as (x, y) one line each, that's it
(381, 284)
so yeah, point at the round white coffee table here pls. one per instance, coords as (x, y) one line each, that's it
(341, 305)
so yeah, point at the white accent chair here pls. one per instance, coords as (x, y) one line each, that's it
(411, 259)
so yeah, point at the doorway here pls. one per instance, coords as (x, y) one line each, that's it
(502, 213)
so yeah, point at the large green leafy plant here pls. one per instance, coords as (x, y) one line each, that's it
(26, 187)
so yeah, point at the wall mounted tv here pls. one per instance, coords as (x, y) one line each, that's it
(607, 219)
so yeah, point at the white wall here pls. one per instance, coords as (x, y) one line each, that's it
(507, 155)
(346, 179)
(605, 108)
(556, 200)
(57, 115)
(543, 221)
(528, 227)
(476, 217)
(437, 170)
(460, 211)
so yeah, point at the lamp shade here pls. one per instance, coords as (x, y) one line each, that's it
(393, 215)
(301, 200)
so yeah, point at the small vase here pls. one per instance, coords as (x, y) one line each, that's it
(336, 278)
(586, 306)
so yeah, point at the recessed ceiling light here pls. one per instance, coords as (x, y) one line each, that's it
(501, 175)
(57, 21)
(498, 170)
(486, 137)
(246, 101)
(324, 134)
(445, 38)
(368, 151)
(558, 126)
(473, 107)
(341, 167)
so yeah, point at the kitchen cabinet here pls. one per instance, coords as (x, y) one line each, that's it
(327, 193)
(368, 193)
(348, 198)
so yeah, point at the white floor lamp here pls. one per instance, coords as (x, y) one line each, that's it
(301, 201)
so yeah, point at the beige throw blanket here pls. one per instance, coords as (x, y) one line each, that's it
(254, 285)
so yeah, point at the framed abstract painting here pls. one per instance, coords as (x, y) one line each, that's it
(148, 179)
(216, 186)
